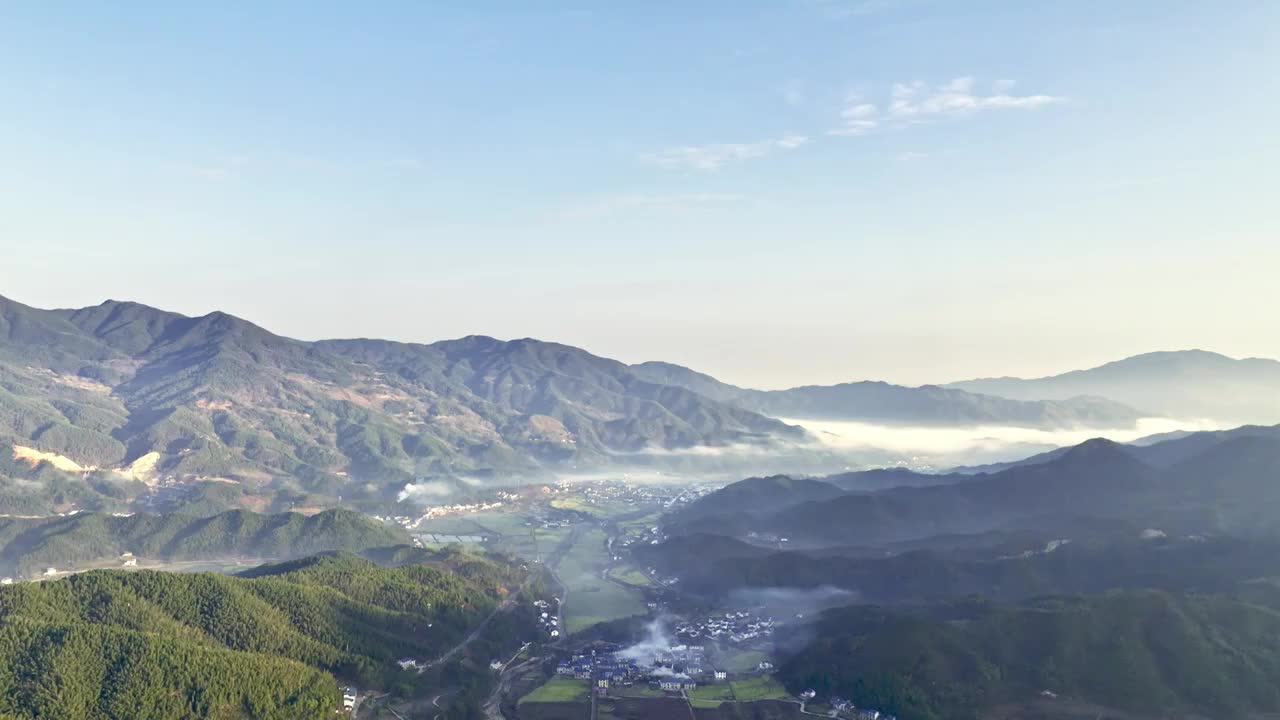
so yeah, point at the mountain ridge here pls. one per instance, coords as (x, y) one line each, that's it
(218, 397)
(881, 402)
(1175, 383)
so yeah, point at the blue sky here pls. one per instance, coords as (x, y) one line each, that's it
(775, 192)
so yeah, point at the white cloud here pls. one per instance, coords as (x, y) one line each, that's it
(716, 155)
(915, 102)
(859, 118)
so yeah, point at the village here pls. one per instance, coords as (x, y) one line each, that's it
(681, 670)
(671, 669)
(735, 627)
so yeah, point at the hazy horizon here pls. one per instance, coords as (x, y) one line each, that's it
(775, 193)
(922, 371)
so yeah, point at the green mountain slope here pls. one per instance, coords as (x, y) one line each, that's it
(1143, 651)
(99, 405)
(29, 545)
(149, 644)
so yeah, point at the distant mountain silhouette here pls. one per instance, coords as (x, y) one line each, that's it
(879, 402)
(1183, 384)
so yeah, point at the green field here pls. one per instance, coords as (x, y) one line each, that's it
(744, 661)
(631, 576)
(592, 599)
(558, 689)
(758, 688)
(637, 691)
(595, 508)
(710, 696)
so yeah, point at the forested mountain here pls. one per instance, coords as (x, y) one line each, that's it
(149, 644)
(715, 567)
(1229, 486)
(1158, 451)
(879, 402)
(29, 545)
(1185, 384)
(1098, 476)
(774, 492)
(1152, 653)
(99, 403)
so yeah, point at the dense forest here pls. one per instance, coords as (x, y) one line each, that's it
(274, 644)
(1145, 651)
(29, 545)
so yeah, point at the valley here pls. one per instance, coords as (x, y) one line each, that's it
(520, 530)
(783, 360)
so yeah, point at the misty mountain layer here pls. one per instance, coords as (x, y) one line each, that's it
(1188, 384)
(879, 402)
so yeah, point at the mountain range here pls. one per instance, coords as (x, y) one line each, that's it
(123, 394)
(884, 403)
(107, 406)
(1202, 483)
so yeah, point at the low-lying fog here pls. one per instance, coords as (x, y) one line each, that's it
(943, 447)
(836, 447)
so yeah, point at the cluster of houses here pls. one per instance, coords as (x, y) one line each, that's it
(846, 708)
(646, 536)
(736, 627)
(550, 616)
(438, 511)
(766, 539)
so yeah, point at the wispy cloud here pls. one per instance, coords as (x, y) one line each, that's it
(716, 155)
(916, 102)
(858, 117)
